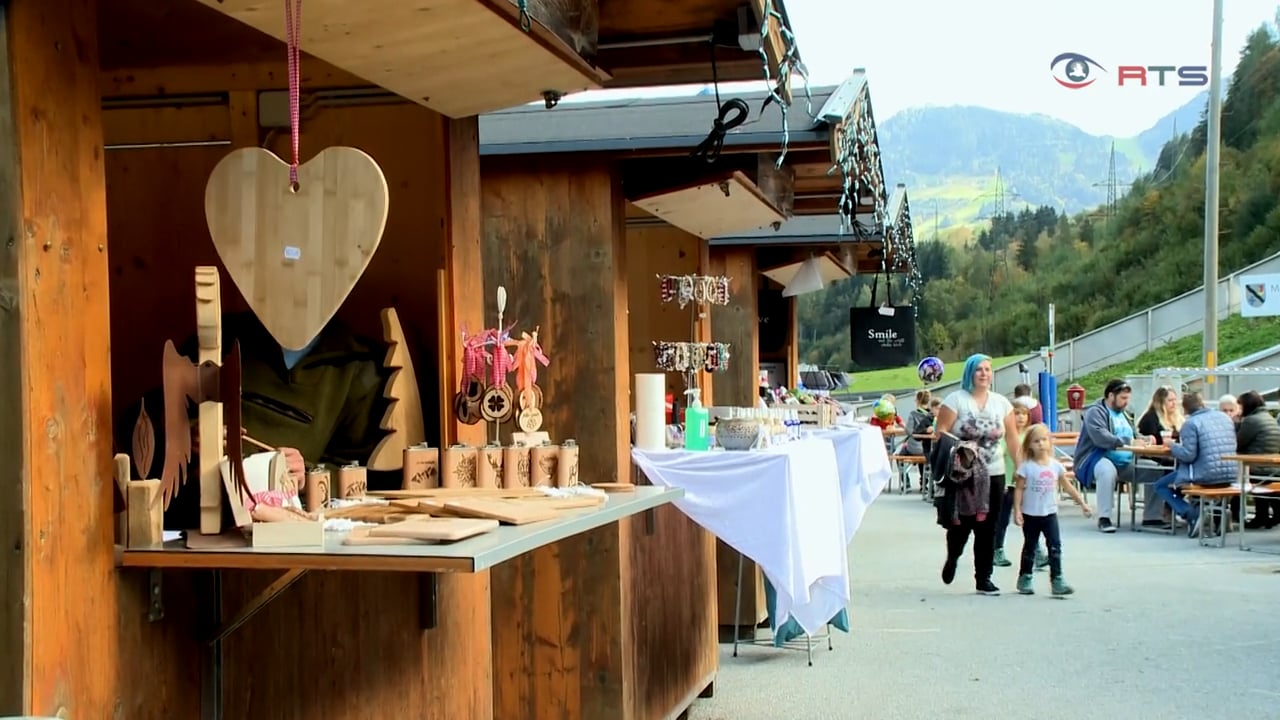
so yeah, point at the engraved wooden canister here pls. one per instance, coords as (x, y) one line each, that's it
(543, 460)
(489, 467)
(567, 468)
(317, 489)
(353, 481)
(515, 467)
(421, 468)
(459, 466)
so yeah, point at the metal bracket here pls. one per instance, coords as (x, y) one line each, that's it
(268, 594)
(155, 596)
(428, 605)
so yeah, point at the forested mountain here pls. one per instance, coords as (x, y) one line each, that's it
(991, 293)
(950, 155)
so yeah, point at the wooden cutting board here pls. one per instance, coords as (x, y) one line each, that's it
(296, 255)
(511, 512)
(361, 536)
(614, 487)
(440, 529)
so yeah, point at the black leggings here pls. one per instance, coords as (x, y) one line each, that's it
(984, 533)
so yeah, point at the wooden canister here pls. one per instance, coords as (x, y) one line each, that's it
(459, 467)
(567, 468)
(421, 468)
(353, 481)
(515, 466)
(543, 460)
(317, 490)
(489, 467)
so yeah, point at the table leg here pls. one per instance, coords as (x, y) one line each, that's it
(1244, 498)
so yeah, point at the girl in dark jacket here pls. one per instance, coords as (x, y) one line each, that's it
(1258, 434)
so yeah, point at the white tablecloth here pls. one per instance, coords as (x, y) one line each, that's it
(780, 507)
(863, 465)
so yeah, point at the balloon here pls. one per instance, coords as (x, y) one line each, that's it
(930, 370)
(884, 409)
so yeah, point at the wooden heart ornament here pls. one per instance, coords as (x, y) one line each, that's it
(296, 254)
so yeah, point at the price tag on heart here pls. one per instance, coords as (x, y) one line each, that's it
(296, 253)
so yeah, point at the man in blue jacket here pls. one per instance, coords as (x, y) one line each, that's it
(1098, 460)
(1205, 437)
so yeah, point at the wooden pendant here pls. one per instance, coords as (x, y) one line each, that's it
(295, 254)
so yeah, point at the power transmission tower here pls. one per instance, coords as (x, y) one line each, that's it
(1112, 185)
(997, 215)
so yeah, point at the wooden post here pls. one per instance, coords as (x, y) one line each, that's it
(58, 620)
(554, 237)
(463, 265)
(738, 323)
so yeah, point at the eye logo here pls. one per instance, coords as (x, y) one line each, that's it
(1072, 70)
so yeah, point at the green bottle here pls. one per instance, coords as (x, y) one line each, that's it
(697, 423)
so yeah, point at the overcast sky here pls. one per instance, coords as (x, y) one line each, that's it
(996, 53)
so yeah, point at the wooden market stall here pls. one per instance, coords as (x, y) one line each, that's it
(728, 209)
(116, 112)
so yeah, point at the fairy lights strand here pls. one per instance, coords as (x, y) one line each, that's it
(788, 65)
(526, 22)
(858, 157)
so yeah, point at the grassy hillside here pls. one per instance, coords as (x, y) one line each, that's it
(1237, 337)
(902, 378)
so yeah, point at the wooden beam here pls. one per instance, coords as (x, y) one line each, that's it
(777, 183)
(676, 65)
(205, 79)
(793, 342)
(464, 264)
(58, 621)
(143, 125)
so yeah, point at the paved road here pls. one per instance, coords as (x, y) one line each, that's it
(1158, 627)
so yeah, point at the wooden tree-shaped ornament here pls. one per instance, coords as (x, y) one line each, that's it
(403, 418)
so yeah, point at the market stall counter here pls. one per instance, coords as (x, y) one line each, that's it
(558, 588)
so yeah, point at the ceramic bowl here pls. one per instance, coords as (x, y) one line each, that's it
(737, 433)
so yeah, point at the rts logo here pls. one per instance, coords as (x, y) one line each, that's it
(1076, 71)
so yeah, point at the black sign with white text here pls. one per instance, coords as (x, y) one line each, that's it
(881, 341)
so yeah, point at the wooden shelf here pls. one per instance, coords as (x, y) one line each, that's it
(457, 57)
(728, 204)
(471, 555)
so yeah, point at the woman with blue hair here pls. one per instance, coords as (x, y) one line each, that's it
(975, 413)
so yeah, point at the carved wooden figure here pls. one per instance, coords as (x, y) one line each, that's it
(211, 428)
(214, 385)
(403, 418)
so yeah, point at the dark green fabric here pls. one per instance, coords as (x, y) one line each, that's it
(328, 407)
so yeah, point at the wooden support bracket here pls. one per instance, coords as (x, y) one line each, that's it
(269, 593)
(428, 606)
(155, 596)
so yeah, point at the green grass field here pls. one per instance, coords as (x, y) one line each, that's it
(1237, 337)
(902, 378)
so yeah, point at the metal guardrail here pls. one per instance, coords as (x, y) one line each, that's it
(1123, 339)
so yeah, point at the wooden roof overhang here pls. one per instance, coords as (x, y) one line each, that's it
(889, 250)
(654, 138)
(458, 57)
